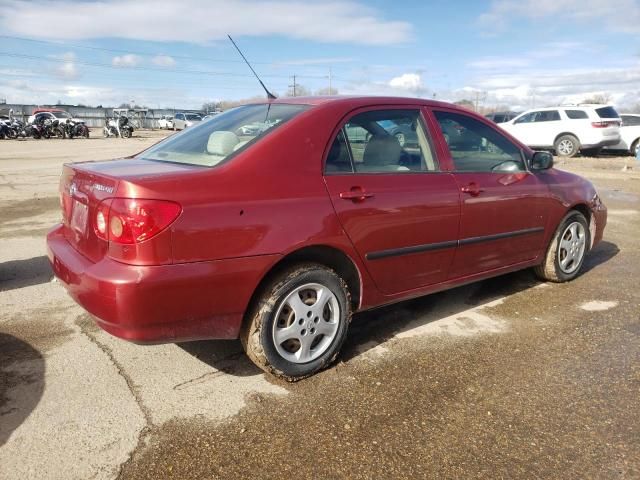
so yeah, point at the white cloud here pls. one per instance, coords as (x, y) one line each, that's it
(164, 61)
(526, 89)
(68, 69)
(334, 21)
(128, 60)
(412, 82)
(621, 16)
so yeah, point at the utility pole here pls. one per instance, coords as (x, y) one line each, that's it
(293, 86)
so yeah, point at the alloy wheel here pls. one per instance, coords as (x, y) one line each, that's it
(306, 323)
(572, 247)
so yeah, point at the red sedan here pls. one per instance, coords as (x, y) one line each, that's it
(274, 222)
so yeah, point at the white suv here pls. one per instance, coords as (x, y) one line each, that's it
(567, 129)
(629, 134)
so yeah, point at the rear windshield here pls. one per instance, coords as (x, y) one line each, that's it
(607, 112)
(193, 116)
(210, 143)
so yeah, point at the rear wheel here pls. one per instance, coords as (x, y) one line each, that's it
(566, 146)
(299, 322)
(566, 252)
(635, 147)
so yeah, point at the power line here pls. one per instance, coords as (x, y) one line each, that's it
(143, 68)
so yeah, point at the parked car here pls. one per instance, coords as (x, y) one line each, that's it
(629, 135)
(278, 238)
(501, 117)
(567, 129)
(166, 122)
(184, 120)
(52, 114)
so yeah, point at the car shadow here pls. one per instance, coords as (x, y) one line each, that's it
(372, 328)
(226, 356)
(603, 252)
(23, 273)
(22, 369)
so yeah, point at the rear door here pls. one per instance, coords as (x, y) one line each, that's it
(399, 209)
(503, 204)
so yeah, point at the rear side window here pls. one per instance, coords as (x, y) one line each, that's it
(476, 147)
(381, 141)
(576, 114)
(210, 143)
(607, 112)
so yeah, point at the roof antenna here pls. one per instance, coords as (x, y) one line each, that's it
(270, 95)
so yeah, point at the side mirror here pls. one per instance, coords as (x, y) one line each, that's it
(541, 161)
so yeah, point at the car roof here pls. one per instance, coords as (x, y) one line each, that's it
(357, 101)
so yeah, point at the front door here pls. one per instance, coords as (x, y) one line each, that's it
(399, 210)
(503, 204)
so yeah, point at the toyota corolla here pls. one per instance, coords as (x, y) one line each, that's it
(278, 234)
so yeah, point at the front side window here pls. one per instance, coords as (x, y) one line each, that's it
(210, 143)
(476, 147)
(547, 116)
(528, 118)
(382, 141)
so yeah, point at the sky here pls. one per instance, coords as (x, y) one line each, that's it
(515, 53)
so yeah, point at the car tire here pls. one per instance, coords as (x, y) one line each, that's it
(566, 146)
(309, 308)
(635, 146)
(567, 249)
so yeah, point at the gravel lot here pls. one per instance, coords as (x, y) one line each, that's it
(507, 378)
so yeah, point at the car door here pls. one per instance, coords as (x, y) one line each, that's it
(179, 123)
(503, 204)
(400, 211)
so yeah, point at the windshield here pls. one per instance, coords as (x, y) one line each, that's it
(61, 115)
(193, 116)
(211, 142)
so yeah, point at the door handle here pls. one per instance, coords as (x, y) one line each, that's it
(356, 194)
(472, 189)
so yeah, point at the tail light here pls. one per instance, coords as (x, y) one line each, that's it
(133, 220)
(605, 124)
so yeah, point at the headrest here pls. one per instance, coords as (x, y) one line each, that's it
(221, 143)
(382, 150)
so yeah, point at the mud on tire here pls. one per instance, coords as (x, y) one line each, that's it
(557, 266)
(319, 322)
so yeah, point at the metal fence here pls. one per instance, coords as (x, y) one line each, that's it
(93, 117)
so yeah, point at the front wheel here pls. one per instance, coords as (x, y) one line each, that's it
(635, 147)
(566, 252)
(299, 323)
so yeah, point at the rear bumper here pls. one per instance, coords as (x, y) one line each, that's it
(155, 304)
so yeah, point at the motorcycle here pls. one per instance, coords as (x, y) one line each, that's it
(125, 127)
(5, 130)
(118, 127)
(73, 128)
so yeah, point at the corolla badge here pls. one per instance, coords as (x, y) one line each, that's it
(103, 188)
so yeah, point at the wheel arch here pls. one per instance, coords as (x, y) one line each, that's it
(328, 256)
(567, 133)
